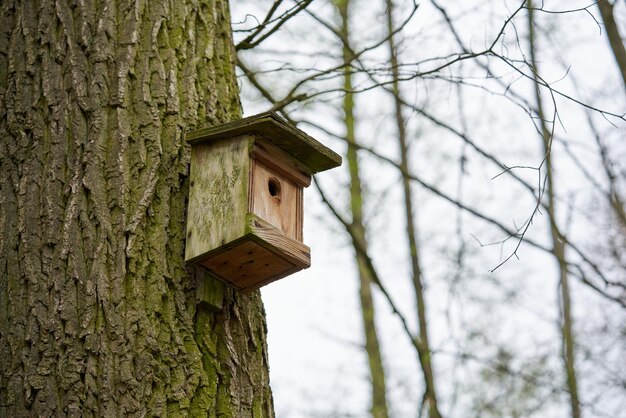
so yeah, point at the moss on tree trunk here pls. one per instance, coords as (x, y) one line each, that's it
(98, 313)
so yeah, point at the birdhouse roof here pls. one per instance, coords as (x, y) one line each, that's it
(279, 132)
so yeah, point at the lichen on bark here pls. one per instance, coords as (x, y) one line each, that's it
(98, 312)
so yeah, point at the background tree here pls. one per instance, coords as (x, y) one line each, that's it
(558, 242)
(423, 346)
(98, 314)
(613, 35)
(357, 225)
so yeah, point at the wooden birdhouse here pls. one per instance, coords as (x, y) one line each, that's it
(245, 213)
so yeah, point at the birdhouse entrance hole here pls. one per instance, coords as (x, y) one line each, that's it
(273, 185)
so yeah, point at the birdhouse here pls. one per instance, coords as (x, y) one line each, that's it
(245, 213)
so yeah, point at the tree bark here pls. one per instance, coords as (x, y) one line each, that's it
(558, 243)
(372, 345)
(98, 313)
(614, 37)
(619, 52)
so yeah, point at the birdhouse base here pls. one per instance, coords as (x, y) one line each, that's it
(264, 254)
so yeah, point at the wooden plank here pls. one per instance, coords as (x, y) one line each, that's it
(248, 264)
(260, 257)
(209, 290)
(300, 215)
(281, 162)
(271, 238)
(274, 198)
(315, 156)
(218, 195)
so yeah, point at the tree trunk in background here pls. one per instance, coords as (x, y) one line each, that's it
(613, 35)
(619, 52)
(372, 346)
(558, 243)
(425, 358)
(98, 314)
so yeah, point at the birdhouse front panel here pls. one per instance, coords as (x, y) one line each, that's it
(245, 213)
(277, 188)
(276, 199)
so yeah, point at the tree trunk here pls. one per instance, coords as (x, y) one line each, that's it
(619, 52)
(424, 352)
(98, 313)
(372, 346)
(614, 37)
(558, 243)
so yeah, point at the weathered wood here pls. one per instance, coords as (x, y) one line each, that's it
(246, 201)
(260, 257)
(209, 290)
(271, 238)
(276, 199)
(315, 156)
(281, 162)
(218, 195)
(246, 264)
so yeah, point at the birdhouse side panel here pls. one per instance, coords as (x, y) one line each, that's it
(218, 195)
